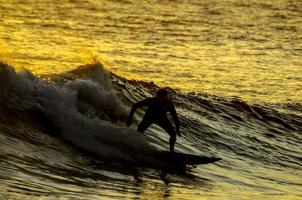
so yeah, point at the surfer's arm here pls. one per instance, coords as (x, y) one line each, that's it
(135, 106)
(175, 118)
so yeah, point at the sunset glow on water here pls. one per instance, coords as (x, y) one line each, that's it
(231, 48)
(235, 69)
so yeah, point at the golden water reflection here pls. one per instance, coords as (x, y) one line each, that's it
(228, 48)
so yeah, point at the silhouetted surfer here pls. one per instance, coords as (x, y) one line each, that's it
(157, 113)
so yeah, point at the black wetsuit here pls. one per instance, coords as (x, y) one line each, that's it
(157, 114)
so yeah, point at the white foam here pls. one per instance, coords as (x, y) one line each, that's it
(101, 99)
(59, 103)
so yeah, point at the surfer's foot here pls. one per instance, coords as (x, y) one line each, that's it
(171, 149)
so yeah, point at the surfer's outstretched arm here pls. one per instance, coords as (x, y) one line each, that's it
(135, 106)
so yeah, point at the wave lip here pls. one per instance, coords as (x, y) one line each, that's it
(68, 107)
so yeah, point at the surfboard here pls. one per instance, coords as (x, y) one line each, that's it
(177, 158)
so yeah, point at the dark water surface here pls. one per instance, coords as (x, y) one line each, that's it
(65, 138)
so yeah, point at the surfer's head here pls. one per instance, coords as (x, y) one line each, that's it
(162, 93)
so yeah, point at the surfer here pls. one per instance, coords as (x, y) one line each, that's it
(156, 113)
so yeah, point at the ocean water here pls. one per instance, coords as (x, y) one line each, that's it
(71, 70)
(250, 49)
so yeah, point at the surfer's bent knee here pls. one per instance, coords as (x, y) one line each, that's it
(143, 125)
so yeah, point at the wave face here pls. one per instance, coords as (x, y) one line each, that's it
(64, 136)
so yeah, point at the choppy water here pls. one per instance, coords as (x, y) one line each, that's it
(62, 135)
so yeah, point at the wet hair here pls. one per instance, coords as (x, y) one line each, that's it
(162, 92)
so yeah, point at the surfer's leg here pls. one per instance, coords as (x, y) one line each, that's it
(167, 126)
(172, 141)
(143, 125)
